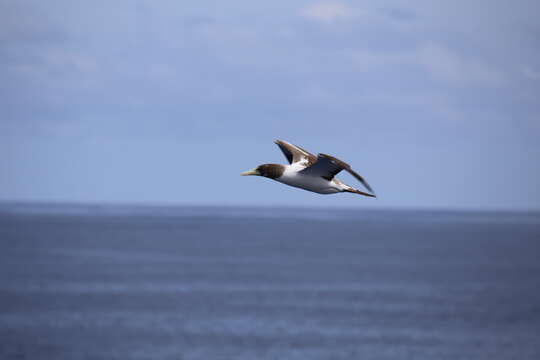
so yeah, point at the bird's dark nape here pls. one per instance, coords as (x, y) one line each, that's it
(272, 171)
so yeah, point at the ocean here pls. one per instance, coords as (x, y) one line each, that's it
(186, 283)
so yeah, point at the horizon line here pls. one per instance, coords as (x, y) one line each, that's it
(112, 204)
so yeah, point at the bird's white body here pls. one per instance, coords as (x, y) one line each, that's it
(294, 177)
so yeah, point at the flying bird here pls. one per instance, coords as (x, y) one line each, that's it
(310, 172)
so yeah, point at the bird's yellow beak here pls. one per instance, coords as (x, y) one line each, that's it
(250, 172)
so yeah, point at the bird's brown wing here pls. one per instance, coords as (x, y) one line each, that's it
(295, 153)
(328, 166)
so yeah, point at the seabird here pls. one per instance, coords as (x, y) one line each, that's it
(310, 172)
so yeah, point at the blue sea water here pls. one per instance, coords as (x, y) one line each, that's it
(120, 282)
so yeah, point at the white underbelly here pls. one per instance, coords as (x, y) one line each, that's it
(316, 184)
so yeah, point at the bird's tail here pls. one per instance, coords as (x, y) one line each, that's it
(356, 191)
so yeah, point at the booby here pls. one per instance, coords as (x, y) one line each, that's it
(310, 172)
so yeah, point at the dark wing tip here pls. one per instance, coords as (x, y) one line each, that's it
(365, 183)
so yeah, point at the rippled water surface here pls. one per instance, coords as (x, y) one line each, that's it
(82, 282)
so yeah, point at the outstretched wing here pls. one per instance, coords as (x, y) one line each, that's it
(328, 166)
(295, 154)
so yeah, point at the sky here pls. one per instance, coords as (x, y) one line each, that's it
(435, 103)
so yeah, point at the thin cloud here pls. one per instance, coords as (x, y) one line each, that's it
(531, 73)
(452, 67)
(328, 11)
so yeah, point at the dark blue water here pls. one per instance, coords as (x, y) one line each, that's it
(238, 283)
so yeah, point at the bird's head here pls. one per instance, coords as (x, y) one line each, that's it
(272, 171)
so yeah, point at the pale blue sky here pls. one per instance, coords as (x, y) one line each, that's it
(436, 103)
